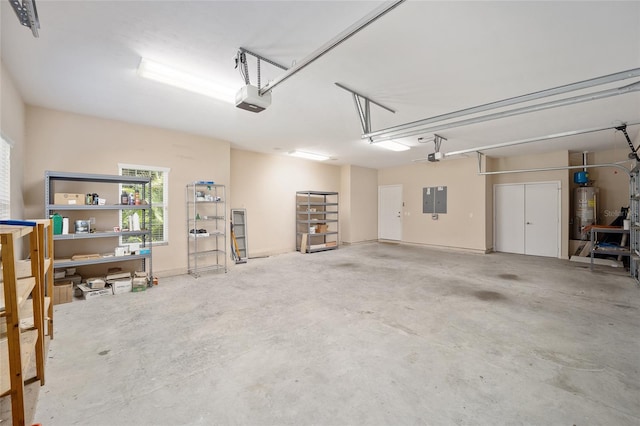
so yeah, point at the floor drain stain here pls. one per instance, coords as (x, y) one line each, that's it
(489, 295)
(512, 277)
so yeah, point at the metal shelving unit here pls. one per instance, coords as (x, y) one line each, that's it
(634, 230)
(51, 178)
(599, 249)
(206, 227)
(317, 224)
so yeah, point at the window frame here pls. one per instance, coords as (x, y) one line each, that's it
(5, 177)
(165, 197)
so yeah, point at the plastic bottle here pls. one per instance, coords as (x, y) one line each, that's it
(57, 223)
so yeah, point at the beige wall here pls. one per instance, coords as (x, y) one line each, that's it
(364, 204)
(266, 186)
(345, 204)
(63, 141)
(463, 226)
(358, 204)
(552, 159)
(12, 127)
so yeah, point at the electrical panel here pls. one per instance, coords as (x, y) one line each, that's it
(434, 199)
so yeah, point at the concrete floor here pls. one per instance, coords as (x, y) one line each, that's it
(370, 334)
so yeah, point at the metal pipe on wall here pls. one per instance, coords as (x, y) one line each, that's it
(535, 139)
(550, 169)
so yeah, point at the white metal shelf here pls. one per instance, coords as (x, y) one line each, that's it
(206, 251)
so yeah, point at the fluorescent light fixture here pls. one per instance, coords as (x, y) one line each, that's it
(392, 145)
(173, 77)
(308, 155)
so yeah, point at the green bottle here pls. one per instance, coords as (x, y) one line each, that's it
(57, 223)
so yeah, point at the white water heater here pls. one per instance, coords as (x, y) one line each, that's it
(585, 201)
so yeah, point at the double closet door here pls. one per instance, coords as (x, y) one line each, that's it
(527, 218)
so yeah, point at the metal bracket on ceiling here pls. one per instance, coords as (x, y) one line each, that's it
(241, 64)
(27, 14)
(364, 111)
(634, 153)
(436, 138)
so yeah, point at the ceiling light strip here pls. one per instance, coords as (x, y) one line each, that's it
(537, 139)
(308, 155)
(392, 146)
(532, 108)
(173, 77)
(511, 101)
(339, 39)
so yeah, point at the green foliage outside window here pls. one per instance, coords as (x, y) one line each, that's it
(157, 207)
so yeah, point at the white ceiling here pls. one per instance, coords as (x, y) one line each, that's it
(422, 59)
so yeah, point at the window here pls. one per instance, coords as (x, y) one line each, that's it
(5, 175)
(159, 201)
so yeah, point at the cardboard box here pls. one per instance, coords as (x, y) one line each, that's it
(62, 292)
(67, 198)
(137, 288)
(322, 228)
(75, 279)
(89, 294)
(121, 286)
(139, 282)
(95, 283)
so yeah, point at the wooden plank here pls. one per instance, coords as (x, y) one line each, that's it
(23, 268)
(26, 314)
(27, 344)
(586, 250)
(23, 290)
(11, 307)
(37, 249)
(303, 243)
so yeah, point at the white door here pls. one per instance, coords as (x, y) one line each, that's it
(541, 219)
(509, 218)
(390, 212)
(527, 218)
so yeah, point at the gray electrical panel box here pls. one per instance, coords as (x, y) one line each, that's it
(434, 199)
